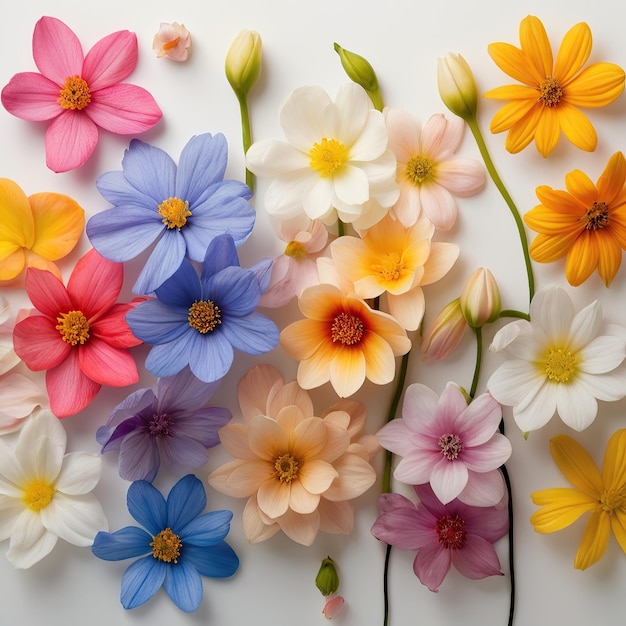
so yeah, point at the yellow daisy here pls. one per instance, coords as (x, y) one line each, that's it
(546, 103)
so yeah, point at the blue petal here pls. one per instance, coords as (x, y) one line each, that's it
(184, 586)
(183, 288)
(141, 581)
(156, 323)
(119, 192)
(218, 561)
(206, 530)
(235, 290)
(183, 392)
(121, 233)
(185, 502)
(147, 506)
(252, 334)
(220, 254)
(212, 356)
(163, 262)
(167, 359)
(125, 543)
(202, 163)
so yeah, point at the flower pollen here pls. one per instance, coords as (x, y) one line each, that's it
(38, 495)
(597, 217)
(75, 94)
(418, 169)
(74, 327)
(551, 92)
(204, 316)
(327, 156)
(450, 446)
(174, 212)
(166, 546)
(390, 266)
(347, 329)
(451, 531)
(560, 365)
(295, 250)
(286, 467)
(159, 426)
(611, 500)
(168, 45)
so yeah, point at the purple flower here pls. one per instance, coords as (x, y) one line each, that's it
(454, 446)
(174, 426)
(443, 534)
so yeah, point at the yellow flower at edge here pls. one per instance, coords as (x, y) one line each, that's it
(547, 102)
(586, 224)
(601, 494)
(36, 230)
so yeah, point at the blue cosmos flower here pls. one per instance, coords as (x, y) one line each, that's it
(180, 545)
(200, 320)
(180, 208)
(174, 427)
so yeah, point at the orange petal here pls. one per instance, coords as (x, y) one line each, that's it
(523, 132)
(609, 255)
(512, 113)
(548, 130)
(347, 371)
(12, 260)
(596, 86)
(536, 46)
(576, 127)
(16, 217)
(560, 507)
(582, 188)
(573, 53)
(611, 182)
(582, 258)
(547, 248)
(514, 62)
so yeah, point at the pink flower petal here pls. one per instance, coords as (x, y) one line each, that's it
(56, 50)
(32, 97)
(489, 455)
(477, 558)
(485, 489)
(300, 528)
(114, 329)
(47, 293)
(70, 140)
(256, 388)
(111, 60)
(39, 344)
(431, 565)
(479, 420)
(438, 205)
(107, 365)
(448, 479)
(333, 607)
(301, 500)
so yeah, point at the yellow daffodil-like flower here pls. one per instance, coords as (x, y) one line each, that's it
(601, 494)
(547, 102)
(586, 224)
(36, 230)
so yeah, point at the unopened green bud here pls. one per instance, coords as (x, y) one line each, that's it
(360, 71)
(243, 62)
(457, 86)
(327, 579)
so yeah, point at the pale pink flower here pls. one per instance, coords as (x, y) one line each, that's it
(429, 173)
(453, 445)
(172, 41)
(333, 607)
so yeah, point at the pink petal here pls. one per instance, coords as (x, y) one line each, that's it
(396, 437)
(416, 468)
(39, 344)
(356, 476)
(113, 328)
(441, 136)
(31, 97)
(57, 50)
(448, 479)
(47, 293)
(489, 455)
(273, 498)
(476, 559)
(124, 109)
(431, 565)
(438, 205)
(333, 607)
(256, 387)
(300, 500)
(20, 397)
(107, 365)
(70, 140)
(485, 489)
(479, 420)
(111, 60)
(419, 406)
(461, 177)
(69, 390)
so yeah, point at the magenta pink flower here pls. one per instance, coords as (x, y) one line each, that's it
(443, 534)
(80, 335)
(79, 93)
(453, 445)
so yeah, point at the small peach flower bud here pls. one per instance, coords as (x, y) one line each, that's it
(332, 607)
(243, 62)
(360, 71)
(445, 333)
(327, 579)
(480, 298)
(172, 41)
(457, 86)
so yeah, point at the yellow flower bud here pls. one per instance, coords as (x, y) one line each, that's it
(243, 62)
(360, 71)
(445, 333)
(457, 86)
(327, 579)
(480, 298)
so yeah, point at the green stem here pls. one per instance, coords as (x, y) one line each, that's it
(246, 136)
(473, 125)
(479, 357)
(341, 228)
(513, 313)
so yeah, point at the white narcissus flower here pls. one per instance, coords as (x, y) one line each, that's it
(45, 493)
(335, 162)
(560, 361)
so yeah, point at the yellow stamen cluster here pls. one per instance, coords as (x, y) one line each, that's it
(560, 365)
(38, 495)
(286, 467)
(614, 499)
(597, 217)
(174, 212)
(418, 169)
(390, 266)
(75, 94)
(327, 156)
(551, 92)
(74, 327)
(347, 329)
(166, 546)
(204, 316)
(295, 250)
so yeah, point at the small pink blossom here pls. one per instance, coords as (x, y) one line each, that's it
(172, 41)
(333, 607)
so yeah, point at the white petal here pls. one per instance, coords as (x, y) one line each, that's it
(537, 411)
(283, 198)
(20, 397)
(30, 541)
(302, 116)
(12, 476)
(80, 473)
(76, 519)
(585, 326)
(317, 200)
(407, 308)
(10, 510)
(372, 141)
(269, 158)
(602, 355)
(509, 333)
(576, 406)
(514, 382)
(351, 185)
(41, 446)
(608, 387)
(552, 310)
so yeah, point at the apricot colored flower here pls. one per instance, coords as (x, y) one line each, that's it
(429, 173)
(602, 494)
(298, 471)
(36, 230)
(343, 340)
(172, 41)
(585, 224)
(78, 93)
(78, 333)
(393, 259)
(548, 101)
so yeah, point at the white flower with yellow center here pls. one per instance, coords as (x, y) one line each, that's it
(335, 162)
(560, 361)
(46, 494)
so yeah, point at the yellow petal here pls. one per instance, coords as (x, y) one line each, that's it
(618, 525)
(557, 200)
(576, 465)
(514, 62)
(16, 218)
(560, 507)
(595, 540)
(582, 188)
(614, 468)
(548, 130)
(576, 127)
(611, 182)
(512, 113)
(536, 46)
(12, 260)
(303, 338)
(609, 255)
(347, 371)
(547, 249)
(573, 53)
(596, 86)
(550, 222)
(582, 259)
(41, 263)
(513, 92)
(523, 132)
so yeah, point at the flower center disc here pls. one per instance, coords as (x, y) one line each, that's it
(612, 500)
(560, 365)
(327, 156)
(418, 169)
(174, 212)
(74, 327)
(450, 446)
(451, 531)
(347, 329)
(204, 316)
(166, 546)
(390, 268)
(75, 94)
(295, 250)
(286, 467)
(159, 426)
(551, 92)
(597, 217)
(38, 495)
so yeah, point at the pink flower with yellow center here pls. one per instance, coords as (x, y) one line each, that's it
(343, 340)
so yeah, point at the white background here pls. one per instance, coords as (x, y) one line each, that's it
(275, 583)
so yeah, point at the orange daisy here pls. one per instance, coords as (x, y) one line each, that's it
(546, 103)
(586, 223)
